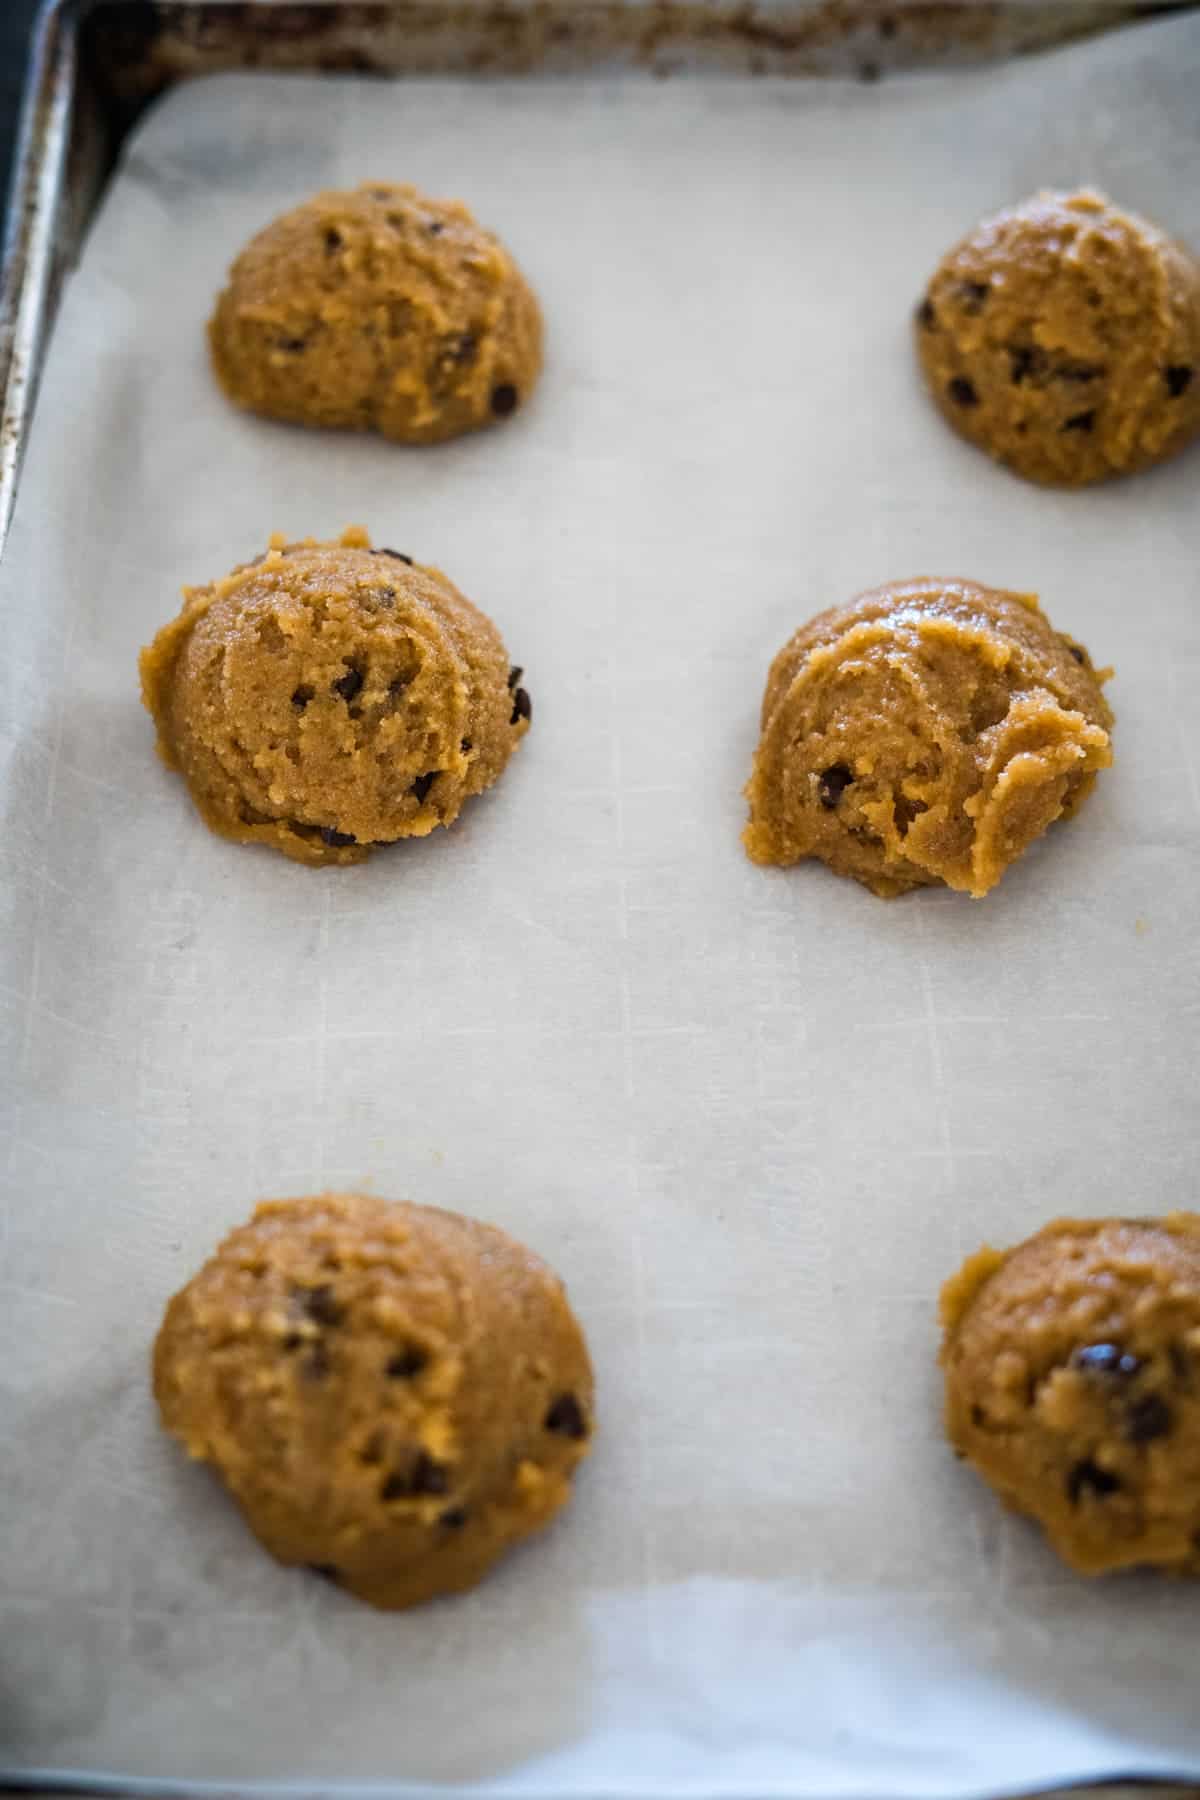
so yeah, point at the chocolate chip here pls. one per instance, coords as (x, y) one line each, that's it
(327, 1571)
(1076, 371)
(321, 1305)
(434, 227)
(1087, 1477)
(926, 317)
(832, 784)
(1102, 1359)
(301, 697)
(504, 399)
(349, 685)
(1147, 1418)
(962, 392)
(316, 1364)
(1077, 653)
(522, 707)
(333, 239)
(978, 1416)
(973, 294)
(398, 554)
(454, 1518)
(337, 840)
(514, 675)
(1025, 359)
(293, 1340)
(461, 349)
(1081, 421)
(423, 783)
(1178, 378)
(406, 1363)
(566, 1417)
(466, 746)
(904, 811)
(293, 345)
(425, 1477)
(429, 1477)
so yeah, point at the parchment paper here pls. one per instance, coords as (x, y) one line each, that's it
(754, 1118)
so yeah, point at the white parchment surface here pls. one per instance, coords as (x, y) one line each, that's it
(753, 1117)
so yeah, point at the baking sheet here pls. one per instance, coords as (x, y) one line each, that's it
(753, 1117)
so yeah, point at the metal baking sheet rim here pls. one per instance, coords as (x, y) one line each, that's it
(51, 1784)
(59, 165)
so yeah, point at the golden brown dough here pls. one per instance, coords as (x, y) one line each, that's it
(378, 310)
(393, 1395)
(328, 698)
(1063, 337)
(927, 732)
(1072, 1368)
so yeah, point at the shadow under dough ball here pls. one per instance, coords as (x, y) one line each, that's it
(393, 1395)
(927, 732)
(1072, 1369)
(1063, 337)
(329, 698)
(381, 310)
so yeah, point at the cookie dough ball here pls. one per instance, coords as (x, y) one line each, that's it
(1063, 337)
(1072, 1368)
(927, 732)
(329, 698)
(393, 1395)
(378, 310)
